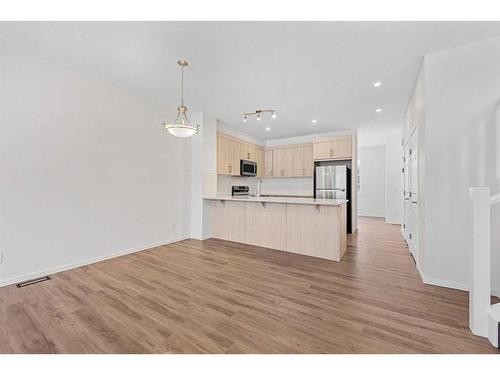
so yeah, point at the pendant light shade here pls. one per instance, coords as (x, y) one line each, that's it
(181, 127)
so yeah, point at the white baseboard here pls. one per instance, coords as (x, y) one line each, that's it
(446, 283)
(49, 271)
(420, 273)
(450, 284)
(200, 238)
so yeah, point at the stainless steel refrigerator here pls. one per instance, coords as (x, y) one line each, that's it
(333, 181)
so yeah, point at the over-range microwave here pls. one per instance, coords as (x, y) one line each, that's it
(248, 168)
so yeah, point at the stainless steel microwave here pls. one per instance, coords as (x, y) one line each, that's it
(248, 168)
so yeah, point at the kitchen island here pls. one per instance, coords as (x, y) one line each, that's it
(307, 226)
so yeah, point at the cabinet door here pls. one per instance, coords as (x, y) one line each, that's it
(322, 150)
(235, 158)
(259, 156)
(287, 161)
(265, 224)
(308, 160)
(248, 152)
(223, 155)
(229, 223)
(342, 149)
(298, 169)
(278, 170)
(268, 163)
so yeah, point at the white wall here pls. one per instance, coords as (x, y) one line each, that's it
(393, 179)
(85, 170)
(203, 174)
(462, 88)
(371, 198)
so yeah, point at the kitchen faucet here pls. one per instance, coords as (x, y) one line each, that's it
(259, 186)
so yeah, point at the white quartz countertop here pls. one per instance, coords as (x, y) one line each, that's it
(288, 200)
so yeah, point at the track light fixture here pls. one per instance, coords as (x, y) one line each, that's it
(259, 113)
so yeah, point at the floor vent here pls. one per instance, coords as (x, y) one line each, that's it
(31, 282)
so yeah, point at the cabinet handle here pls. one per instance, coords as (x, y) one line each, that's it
(271, 173)
(282, 172)
(230, 169)
(248, 155)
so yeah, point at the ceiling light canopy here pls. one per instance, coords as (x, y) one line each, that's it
(378, 110)
(377, 84)
(314, 121)
(267, 129)
(181, 127)
(259, 113)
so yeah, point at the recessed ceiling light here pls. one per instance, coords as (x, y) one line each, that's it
(267, 129)
(378, 110)
(314, 121)
(377, 84)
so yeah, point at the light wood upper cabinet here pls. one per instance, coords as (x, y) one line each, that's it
(268, 163)
(298, 161)
(260, 159)
(248, 152)
(322, 150)
(287, 162)
(235, 158)
(231, 150)
(338, 148)
(279, 161)
(283, 162)
(342, 148)
(223, 155)
(228, 156)
(308, 160)
(303, 163)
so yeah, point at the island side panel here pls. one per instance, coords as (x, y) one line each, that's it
(342, 211)
(265, 224)
(314, 230)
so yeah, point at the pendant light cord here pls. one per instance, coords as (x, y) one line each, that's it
(182, 85)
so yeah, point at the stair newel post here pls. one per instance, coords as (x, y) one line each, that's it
(480, 282)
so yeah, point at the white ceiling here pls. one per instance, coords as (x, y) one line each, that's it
(303, 70)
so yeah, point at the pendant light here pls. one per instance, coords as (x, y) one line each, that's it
(181, 127)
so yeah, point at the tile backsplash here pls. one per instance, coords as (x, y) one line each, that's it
(279, 186)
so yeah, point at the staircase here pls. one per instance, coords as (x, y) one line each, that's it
(484, 318)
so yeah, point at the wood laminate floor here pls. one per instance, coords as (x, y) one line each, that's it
(222, 297)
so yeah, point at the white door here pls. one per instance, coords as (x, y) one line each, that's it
(413, 195)
(406, 192)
